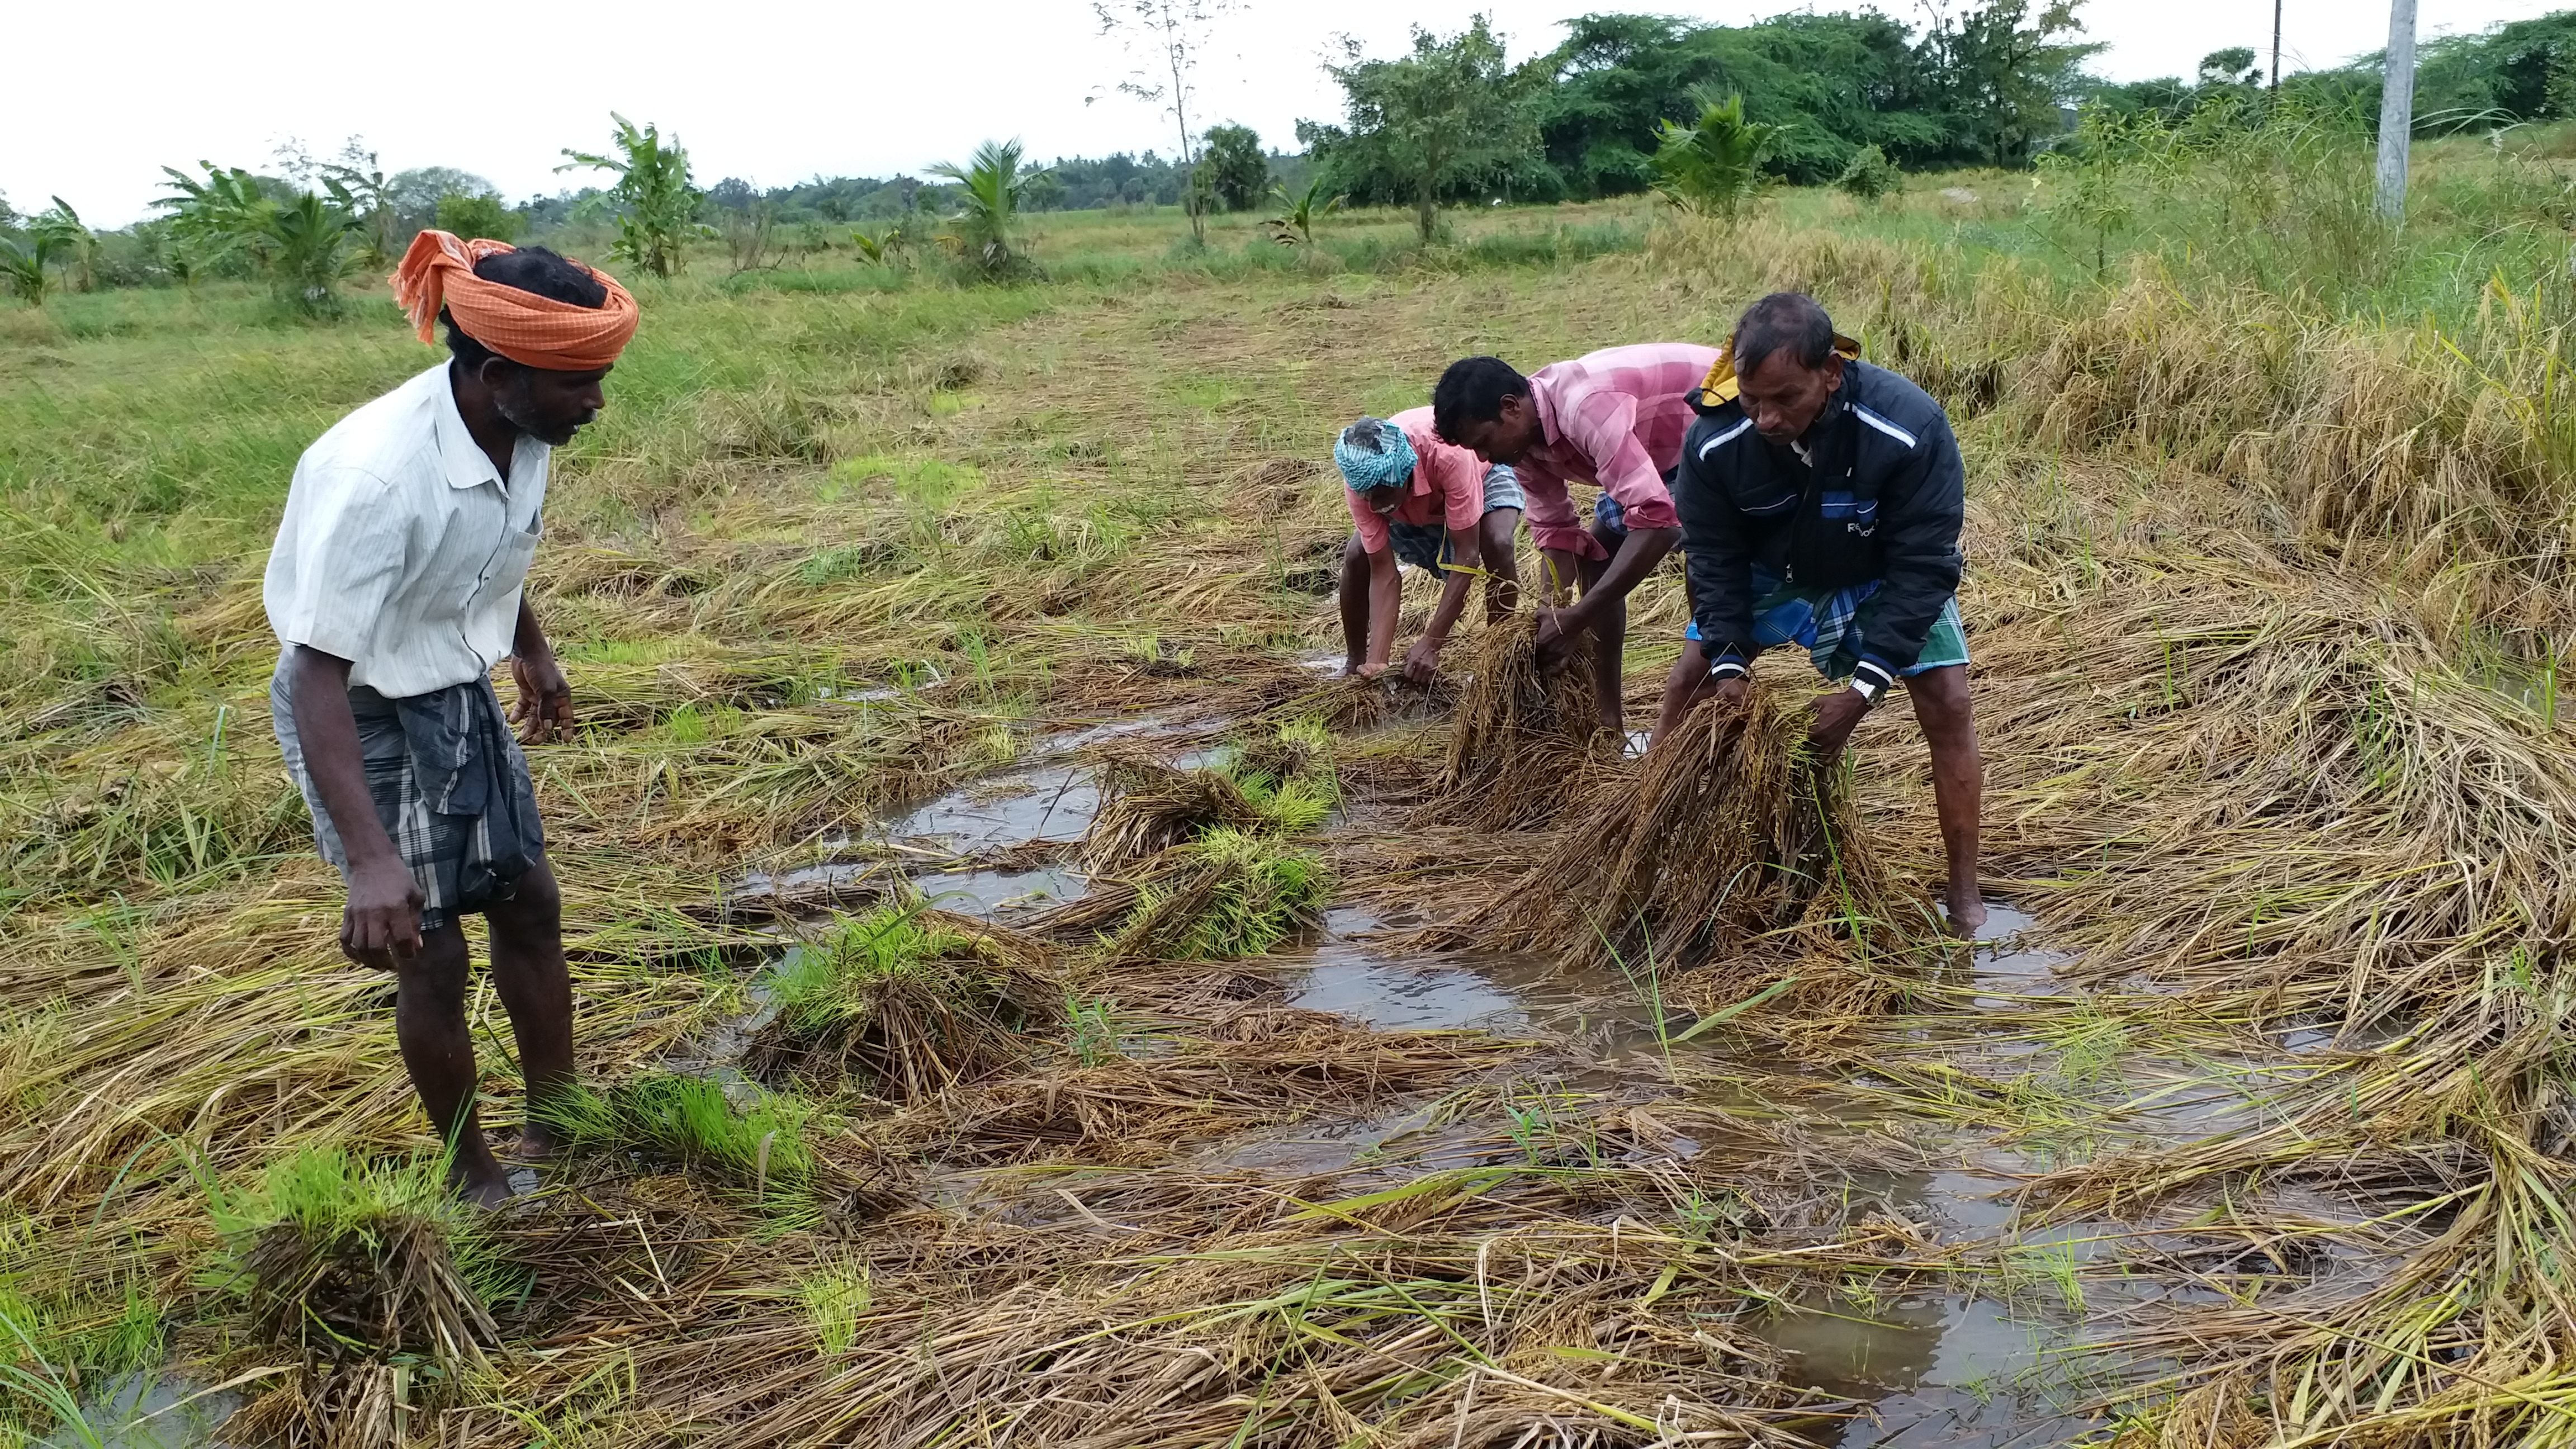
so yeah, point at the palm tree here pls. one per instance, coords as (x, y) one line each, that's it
(985, 229)
(1714, 167)
(312, 238)
(1295, 226)
(303, 243)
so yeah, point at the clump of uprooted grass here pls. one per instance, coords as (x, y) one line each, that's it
(1729, 831)
(1519, 731)
(905, 1001)
(1280, 782)
(1228, 893)
(354, 1260)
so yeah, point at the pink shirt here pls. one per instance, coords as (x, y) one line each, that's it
(1448, 486)
(1613, 418)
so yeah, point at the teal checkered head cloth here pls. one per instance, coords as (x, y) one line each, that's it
(1374, 453)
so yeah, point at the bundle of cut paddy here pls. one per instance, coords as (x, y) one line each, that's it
(907, 1000)
(360, 1261)
(1280, 782)
(1149, 806)
(1519, 732)
(1731, 829)
(1228, 893)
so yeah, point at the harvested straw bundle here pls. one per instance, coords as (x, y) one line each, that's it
(1226, 894)
(1151, 806)
(1281, 782)
(1517, 728)
(908, 999)
(1730, 830)
(361, 1261)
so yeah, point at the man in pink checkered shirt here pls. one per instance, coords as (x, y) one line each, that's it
(1613, 418)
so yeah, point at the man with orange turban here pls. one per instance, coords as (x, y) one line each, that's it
(394, 588)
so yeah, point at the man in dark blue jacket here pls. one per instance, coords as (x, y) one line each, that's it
(1821, 507)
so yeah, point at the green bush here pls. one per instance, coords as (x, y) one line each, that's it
(473, 216)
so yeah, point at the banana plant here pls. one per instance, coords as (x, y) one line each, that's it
(303, 243)
(22, 266)
(220, 216)
(367, 194)
(1295, 226)
(657, 203)
(72, 240)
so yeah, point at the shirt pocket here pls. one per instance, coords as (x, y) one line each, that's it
(1851, 514)
(510, 563)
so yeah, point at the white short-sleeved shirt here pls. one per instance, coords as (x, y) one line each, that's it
(402, 550)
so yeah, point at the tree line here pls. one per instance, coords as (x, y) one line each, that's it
(1626, 102)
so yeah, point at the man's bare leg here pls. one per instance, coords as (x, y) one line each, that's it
(438, 1052)
(1355, 604)
(1941, 704)
(1498, 536)
(1609, 639)
(528, 973)
(1684, 688)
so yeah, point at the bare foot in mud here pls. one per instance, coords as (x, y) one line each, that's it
(486, 1190)
(1967, 912)
(537, 1144)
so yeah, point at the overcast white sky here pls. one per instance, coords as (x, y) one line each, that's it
(93, 104)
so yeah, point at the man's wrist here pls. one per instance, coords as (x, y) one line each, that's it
(1870, 680)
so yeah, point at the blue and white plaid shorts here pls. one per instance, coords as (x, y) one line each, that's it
(1832, 625)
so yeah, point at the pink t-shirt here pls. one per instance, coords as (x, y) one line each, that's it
(1448, 486)
(1613, 418)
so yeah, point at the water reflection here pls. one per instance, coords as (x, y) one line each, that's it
(147, 1411)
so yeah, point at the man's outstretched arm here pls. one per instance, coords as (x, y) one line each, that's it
(383, 913)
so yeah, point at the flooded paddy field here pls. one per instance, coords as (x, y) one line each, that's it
(1023, 998)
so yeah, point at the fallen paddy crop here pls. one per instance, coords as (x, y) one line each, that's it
(2273, 1149)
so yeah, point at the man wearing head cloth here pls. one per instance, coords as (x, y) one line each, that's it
(1435, 506)
(394, 588)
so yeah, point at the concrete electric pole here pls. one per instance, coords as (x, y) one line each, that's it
(2397, 109)
(2276, 47)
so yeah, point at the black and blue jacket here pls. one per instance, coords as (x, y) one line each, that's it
(1883, 502)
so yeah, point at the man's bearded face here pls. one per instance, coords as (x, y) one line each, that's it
(549, 406)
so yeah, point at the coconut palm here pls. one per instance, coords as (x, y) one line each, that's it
(312, 237)
(985, 230)
(1714, 167)
(302, 243)
(1295, 225)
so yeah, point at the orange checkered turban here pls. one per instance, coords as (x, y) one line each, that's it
(530, 330)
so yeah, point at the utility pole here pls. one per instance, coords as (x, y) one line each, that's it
(2396, 109)
(2276, 47)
